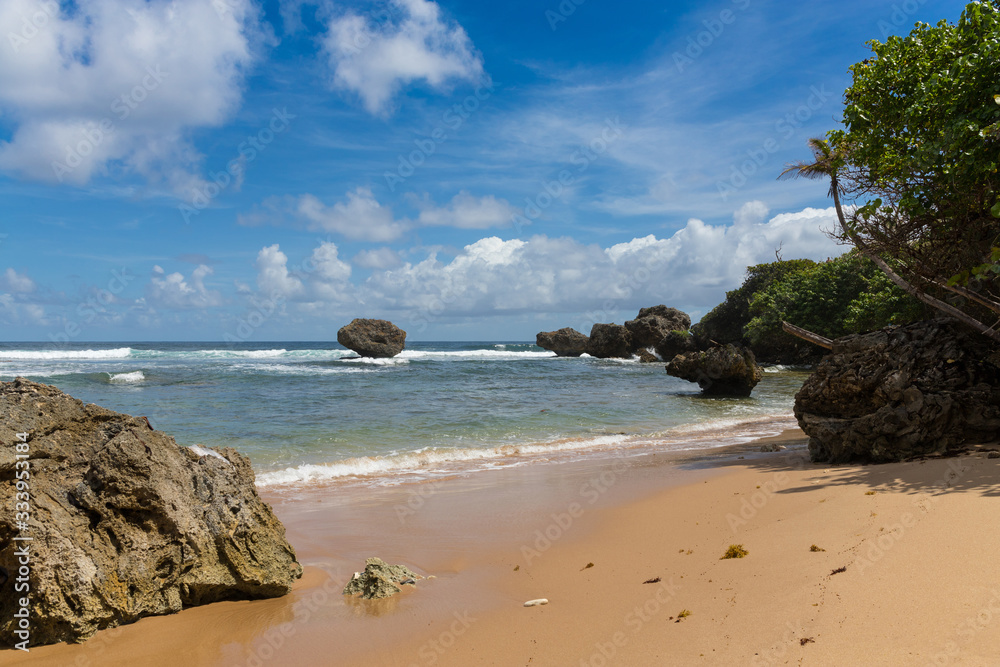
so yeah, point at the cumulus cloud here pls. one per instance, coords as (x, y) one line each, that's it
(175, 291)
(17, 282)
(359, 217)
(379, 258)
(691, 269)
(273, 277)
(465, 211)
(101, 86)
(375, 56)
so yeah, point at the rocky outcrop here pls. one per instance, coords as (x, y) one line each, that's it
(380, 580)
(652, 324)
(674, 343)
(610, 341)
(727, 370)
(901, 392)
(566, 342)
(125, 523)
(372, 338)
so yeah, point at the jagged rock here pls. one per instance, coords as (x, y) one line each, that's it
(652, 324)
(372, 338)
(566, 342)
(772, 447)
(379, 580)
(125, 522)
(647, 357)
(727, 370)
(674, 343)
(901, 392)
(610, 341)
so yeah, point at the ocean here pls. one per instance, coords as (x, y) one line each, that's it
(305, 414)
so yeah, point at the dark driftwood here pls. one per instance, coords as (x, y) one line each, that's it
(815, 339)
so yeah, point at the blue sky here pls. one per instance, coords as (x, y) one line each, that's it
(237, 170)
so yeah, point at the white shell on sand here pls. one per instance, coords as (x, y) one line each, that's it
(536, 603)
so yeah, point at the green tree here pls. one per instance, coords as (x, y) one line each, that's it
(914, 171)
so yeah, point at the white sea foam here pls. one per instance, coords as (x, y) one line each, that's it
(55, 355)
(201, 451)
(428, 459)
(127, 378)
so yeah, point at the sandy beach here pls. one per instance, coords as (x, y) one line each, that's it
(620, 548)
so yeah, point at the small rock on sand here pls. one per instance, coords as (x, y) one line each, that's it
(536, 603)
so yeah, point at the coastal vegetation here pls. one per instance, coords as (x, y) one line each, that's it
(913, 172)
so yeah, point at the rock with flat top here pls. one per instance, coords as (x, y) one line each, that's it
(610, 341)
(565, 342)
(125, 523)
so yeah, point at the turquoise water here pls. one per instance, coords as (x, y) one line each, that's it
(303, 413)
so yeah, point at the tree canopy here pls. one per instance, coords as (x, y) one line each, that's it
(913, 171)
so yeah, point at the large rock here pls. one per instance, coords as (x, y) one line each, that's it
(727, 370)
(372, 338)
(610, 341)
(124, 522)
(565, 343)
(901, 392)
(674, 343)
(652, 324)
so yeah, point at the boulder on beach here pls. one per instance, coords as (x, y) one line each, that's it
(372, 338)
(380, 580)
(727, 370)
(124, 522)
(652, 324)
(926, 388)
(566, 342)
(610, 341)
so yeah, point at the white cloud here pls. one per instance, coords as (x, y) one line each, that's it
(174, 291)
(17, 282)
(115, 85)
(360, 217)
(379, 258)
(375, 58)
(691, 270)
(273, 277)
(465, 211)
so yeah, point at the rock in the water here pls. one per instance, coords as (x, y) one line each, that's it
(647, 357)
(372, 338)
(125, 522)
(771, 448)
(674, 343)
(566, 342)
(901, 392)
(652, 324)
(610, 341)
(379, 580)
(728, 370)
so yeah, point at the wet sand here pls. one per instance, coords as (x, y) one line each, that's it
(918, 541)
